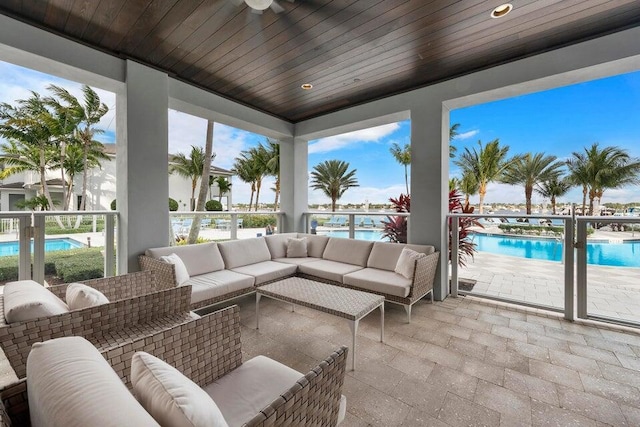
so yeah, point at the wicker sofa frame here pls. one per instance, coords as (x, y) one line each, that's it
(136, 309)
(206, 349)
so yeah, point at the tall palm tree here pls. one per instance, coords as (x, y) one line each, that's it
(189, 167)
(224, 186)
(205, 173)
(579, 175)
(258, 157)
(453, 132)
(272, 165)
(332, 178)
(530, 169)
(402, 156)
(487, 164)
(468, 185)
(244, 169)
(552, 189)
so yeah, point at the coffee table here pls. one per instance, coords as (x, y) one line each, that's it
(342, 302)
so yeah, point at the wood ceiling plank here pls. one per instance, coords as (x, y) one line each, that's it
(102, 19)
(460, 45)
(146, 24)
(57, 13)
(131, 12)
(35, 10)
(79, 17)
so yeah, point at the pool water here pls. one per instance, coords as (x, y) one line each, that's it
(368, 235)
(613, 254)
(12, 248)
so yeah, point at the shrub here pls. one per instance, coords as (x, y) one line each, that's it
(213, 205)
(113, 205)
(173, 205)
(258, 221)
(395, 227)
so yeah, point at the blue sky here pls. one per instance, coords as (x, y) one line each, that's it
(556, 122)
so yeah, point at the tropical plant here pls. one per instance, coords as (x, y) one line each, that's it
(453, 132)
(552, 189)
(600, 169)
(530, 169)
(190, 167)
(468, 185)
(486, 164)
(205, 173)
(37, 203)
(332, 178)
(224, 185)
(272, 165)
(244, 169)
(466, 245)
(213, 205)
(402, 156)
(396, 227)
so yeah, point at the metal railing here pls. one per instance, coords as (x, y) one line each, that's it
(226, 221)
(350, 219)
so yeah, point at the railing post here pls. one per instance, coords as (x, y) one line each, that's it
(352, 226)
(38, 248)
(24, 247)
(455, 243)
(307, 222)
(569, 285)
(279, 222)
(581, 267)
(109, 254)
(233, 228)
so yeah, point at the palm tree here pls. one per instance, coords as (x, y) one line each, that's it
(205, 173)
(258, 158)
(468, 185)
(600, 169)
(189, 167)
(579, 175)
(453, 132)
(530, 169)
(244, 169)
(553, 188)
(486, 165)
(402, 156)
(332, 178)
(224, 186)
(272, 165)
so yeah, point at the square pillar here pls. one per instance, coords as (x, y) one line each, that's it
(430, 185)
(294, 183)
(142, 164)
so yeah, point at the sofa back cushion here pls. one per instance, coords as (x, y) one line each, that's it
(385, 255)
(28, 300)
(238, 253)
(70, 383)
(315, 244)
(277, 244)
(199, 259)
(349, 251)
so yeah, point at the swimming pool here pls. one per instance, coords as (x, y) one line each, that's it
(12, 248)
(369, 235)
(613, 254)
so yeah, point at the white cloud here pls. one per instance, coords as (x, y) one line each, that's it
(466, 135)
(337, 142)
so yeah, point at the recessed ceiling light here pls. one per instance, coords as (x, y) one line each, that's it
(307, 86)
(501, 10)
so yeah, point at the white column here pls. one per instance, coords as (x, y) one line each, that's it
(430, 183)
(294, 187)
(141, 164)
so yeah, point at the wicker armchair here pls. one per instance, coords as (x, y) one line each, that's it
(135, 309)
(206, 349)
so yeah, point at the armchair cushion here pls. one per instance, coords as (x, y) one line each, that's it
(27, 300)
(80, 296)
(297, 248)
(171, 398)
(70, 383)
(407, 262)
(182, 275)
(248, 389)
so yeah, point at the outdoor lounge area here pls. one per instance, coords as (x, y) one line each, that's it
(298, 325)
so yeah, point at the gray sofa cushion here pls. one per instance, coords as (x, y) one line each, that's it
(277, 244)
(267, 271)
(330, 270)
(217, 283)
(348, 251)
(383, 281)
(385, 255)
(315, 244)
(199, 259)
(238, 253)
(245, 391)
(297, 261)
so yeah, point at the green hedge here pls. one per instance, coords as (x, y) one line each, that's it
(70, 266)
(258, 221)
(213, 205)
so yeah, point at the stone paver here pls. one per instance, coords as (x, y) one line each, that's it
(440, 370)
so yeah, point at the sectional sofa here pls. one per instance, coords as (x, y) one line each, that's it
(222, 271)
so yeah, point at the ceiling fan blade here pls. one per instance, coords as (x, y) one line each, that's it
(276, 7)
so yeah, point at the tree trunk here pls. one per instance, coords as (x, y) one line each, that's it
(258, 185)
(406, 179)
(553, 204)
(43, 180)
(584, 198)
(333, 205)
(253, 190)
(277, 185)
(528, 190)
(85, 172)
(482, 191)
(194, 231)
(63, 154)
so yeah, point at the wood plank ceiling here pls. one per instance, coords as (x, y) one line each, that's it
(352, 51)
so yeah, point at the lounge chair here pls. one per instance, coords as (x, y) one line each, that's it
(341, 222)
(222, 224)
(332, 222)
(367, 222)
(205, 223)
(206, 351)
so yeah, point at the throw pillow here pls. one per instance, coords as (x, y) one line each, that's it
(82, 296)
(297, 248)
(407, 262)
(27, 300)
(182, 275)
(170, 397)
